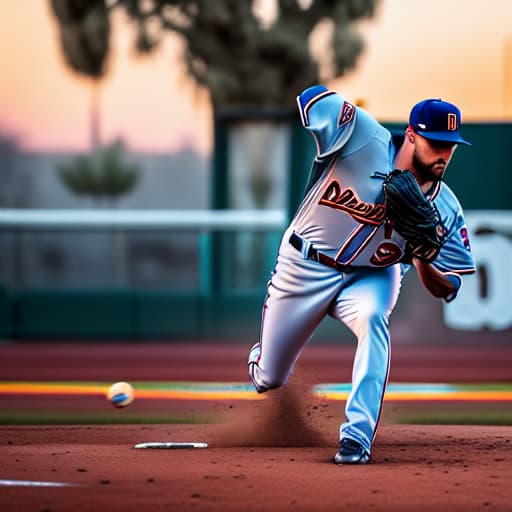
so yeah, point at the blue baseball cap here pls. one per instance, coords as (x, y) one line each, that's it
(436, 119)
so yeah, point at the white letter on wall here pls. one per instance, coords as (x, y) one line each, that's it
(492, 253)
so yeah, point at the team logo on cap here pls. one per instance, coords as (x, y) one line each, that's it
(452, 122)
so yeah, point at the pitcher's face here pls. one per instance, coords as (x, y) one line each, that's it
(431, 157)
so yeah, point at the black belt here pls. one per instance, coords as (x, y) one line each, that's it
(314, 254)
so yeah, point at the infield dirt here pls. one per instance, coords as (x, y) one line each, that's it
(413, 468)
(269, 455)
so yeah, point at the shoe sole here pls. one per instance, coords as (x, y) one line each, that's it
(340, 461)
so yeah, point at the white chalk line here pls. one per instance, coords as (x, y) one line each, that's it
(35, 483)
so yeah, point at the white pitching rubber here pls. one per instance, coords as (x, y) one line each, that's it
(171, 446)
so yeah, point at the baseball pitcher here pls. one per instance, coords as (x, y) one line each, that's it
(375, 205)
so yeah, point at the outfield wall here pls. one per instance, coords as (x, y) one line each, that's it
(206, 283)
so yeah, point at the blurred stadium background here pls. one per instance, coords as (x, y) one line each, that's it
(144, 192)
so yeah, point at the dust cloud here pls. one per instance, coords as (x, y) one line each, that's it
(288, 416)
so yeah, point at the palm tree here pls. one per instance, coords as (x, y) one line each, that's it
(84, 36)
(100, 175)
(103, 175)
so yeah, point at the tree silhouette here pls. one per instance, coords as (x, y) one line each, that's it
(102, 175)
(241, 59)
(84, 36)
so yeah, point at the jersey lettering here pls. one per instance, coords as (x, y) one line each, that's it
(355, 243)
(348, 201)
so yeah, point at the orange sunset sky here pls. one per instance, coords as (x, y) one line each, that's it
(460, 50)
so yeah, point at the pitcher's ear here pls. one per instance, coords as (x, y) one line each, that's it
(410, 134)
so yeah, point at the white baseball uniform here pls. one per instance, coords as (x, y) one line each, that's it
(340, 257)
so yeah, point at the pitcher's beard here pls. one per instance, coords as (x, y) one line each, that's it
(428, 172)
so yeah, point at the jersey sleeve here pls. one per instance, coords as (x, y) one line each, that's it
(329, 118)
(455, 257)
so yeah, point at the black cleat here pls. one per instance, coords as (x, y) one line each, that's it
(351, 452)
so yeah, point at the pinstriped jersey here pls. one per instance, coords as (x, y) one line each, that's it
(343, 211)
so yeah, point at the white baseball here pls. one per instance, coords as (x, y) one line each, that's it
(120, 394)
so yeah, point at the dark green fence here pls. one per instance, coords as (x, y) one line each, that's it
(128, 315)
(481, 174)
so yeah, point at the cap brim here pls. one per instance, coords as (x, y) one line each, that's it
(444, 137)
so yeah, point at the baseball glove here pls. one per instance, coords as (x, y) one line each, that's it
(413, 216)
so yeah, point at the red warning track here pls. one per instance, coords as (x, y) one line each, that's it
(212, 362)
